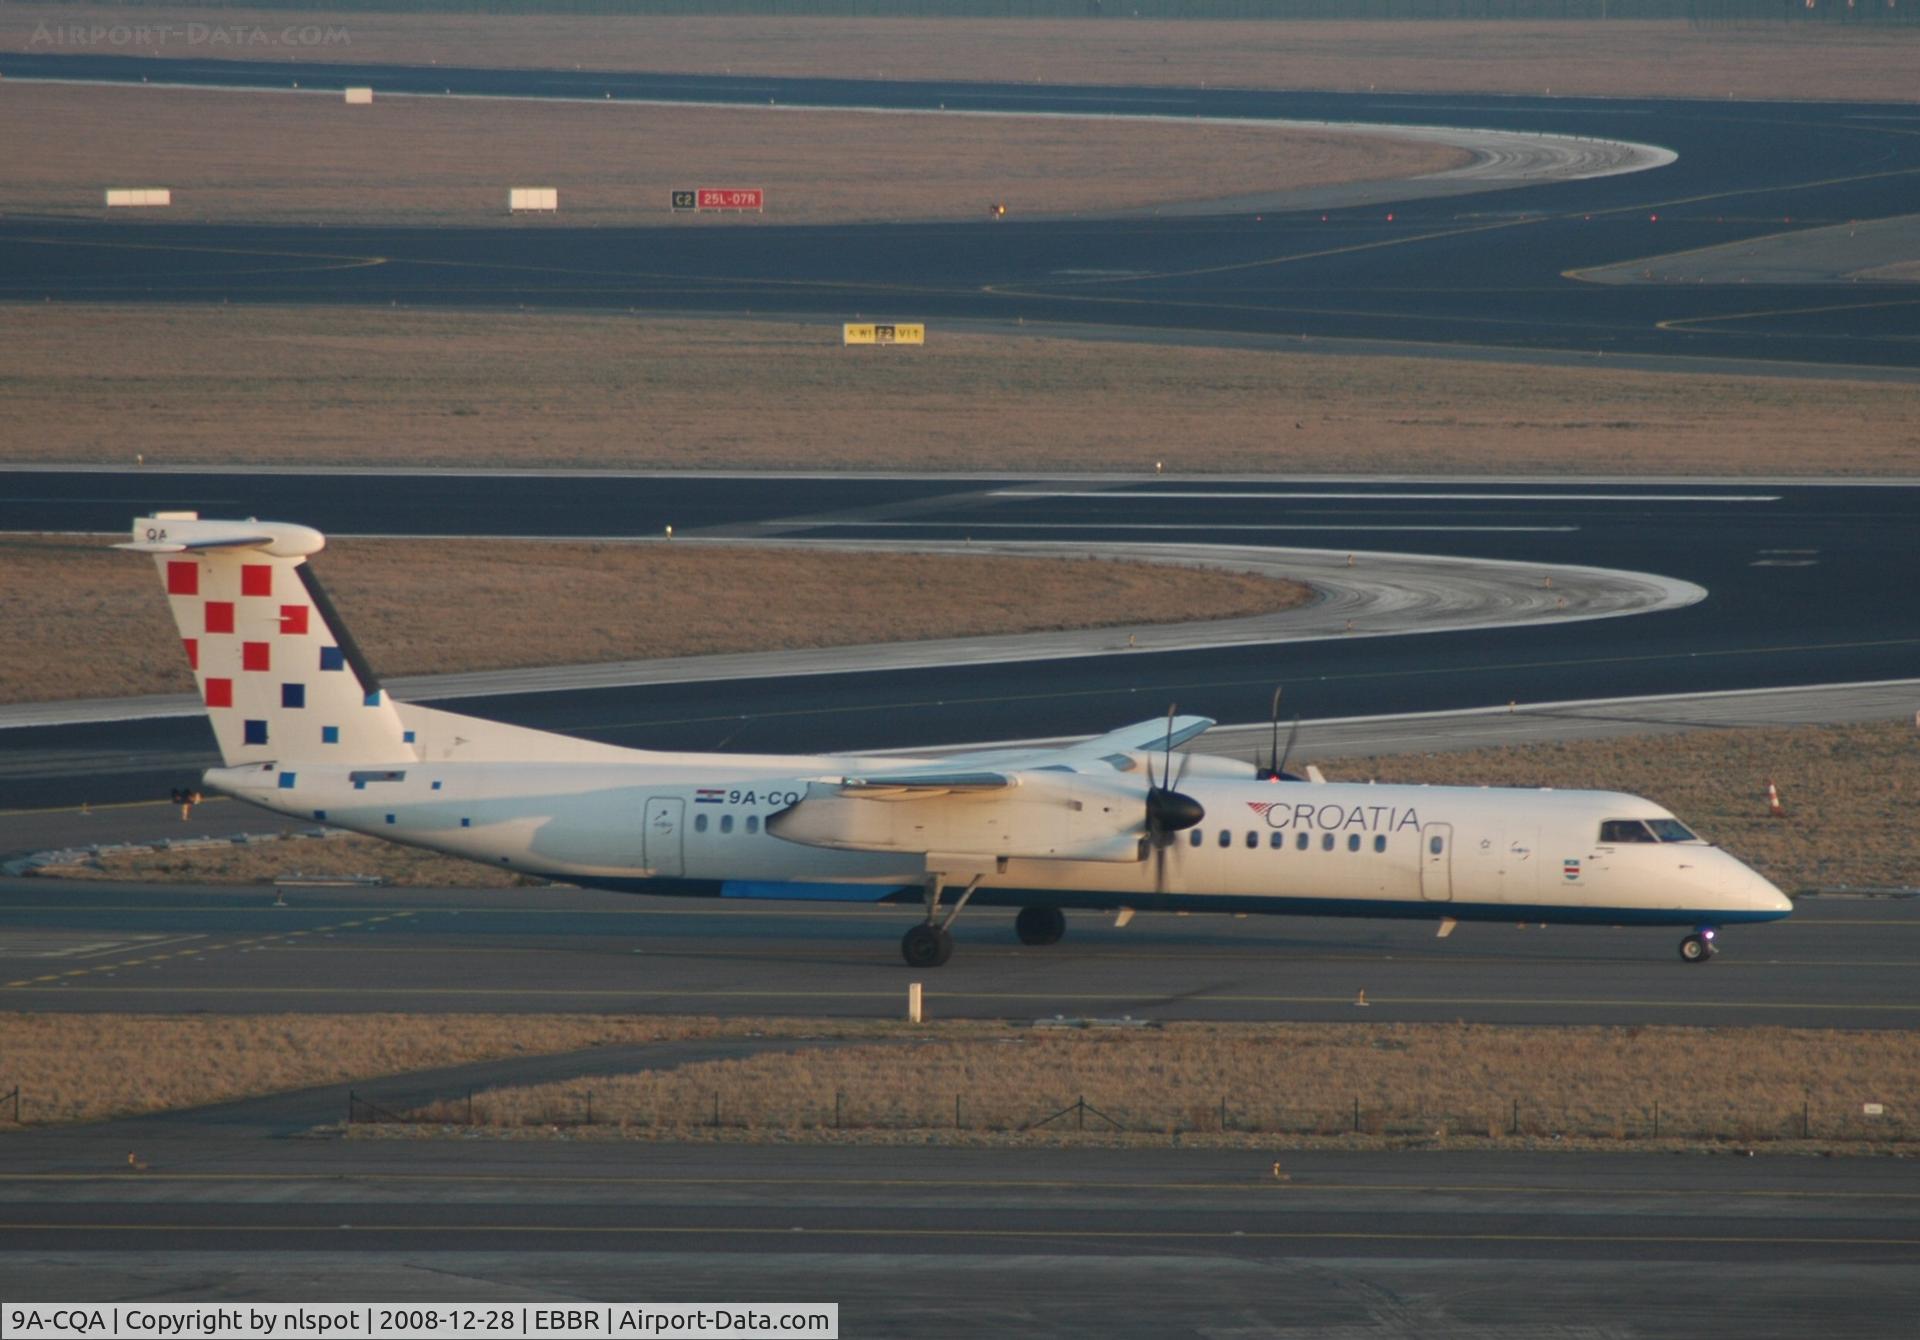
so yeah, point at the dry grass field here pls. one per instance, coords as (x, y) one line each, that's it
(263, 862)
(1608, 58)
(884, 1080)
(584, 602)
(1850, 792)
(308, 386)
(1424, 1081)
(85, 1067)
(286, 158)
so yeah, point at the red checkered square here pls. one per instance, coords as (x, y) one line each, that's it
(219, 616)
(193, 651)
(255, 656)
(219, 693)
(293, 620)
(183, 579)
(256, 579)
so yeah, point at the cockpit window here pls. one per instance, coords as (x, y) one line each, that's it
(1671, 830)
(1624, 830)
(1645, 830)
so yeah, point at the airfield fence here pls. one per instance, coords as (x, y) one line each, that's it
(1705, 12)
(1166, 1116)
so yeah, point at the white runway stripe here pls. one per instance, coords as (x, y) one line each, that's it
(1150, 525)
(1402, 497)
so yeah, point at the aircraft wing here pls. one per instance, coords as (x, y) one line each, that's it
(1142, 737)
(1079, 801)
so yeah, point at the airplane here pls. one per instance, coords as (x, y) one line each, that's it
(1111, 824)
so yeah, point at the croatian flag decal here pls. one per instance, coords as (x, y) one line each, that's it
(709, 795)
(1571, 869)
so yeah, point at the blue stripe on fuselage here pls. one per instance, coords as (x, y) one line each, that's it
(1554, 914)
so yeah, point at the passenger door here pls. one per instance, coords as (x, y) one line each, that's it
(1436, 863)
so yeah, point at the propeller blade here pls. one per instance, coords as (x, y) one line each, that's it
(1280, 765)
(1166, 764)
(1273, 721)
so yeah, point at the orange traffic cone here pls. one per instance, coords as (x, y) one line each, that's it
(1774, 808)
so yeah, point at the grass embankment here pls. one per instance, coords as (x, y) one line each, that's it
(586, 602)
(1613, 58)
(1280, 1083)
(83, 1067)
(336, 856)
(1417, 1081)
(1850, 792)
(314, 386)
(233, 157)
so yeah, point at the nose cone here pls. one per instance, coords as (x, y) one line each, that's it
(1756, 895)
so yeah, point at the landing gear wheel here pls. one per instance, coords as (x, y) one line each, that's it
(926, 946)
(1040, 925)
(1696, 949)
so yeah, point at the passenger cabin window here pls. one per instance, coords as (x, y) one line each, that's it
(1253, 838)
(753, 823)
(1300, 842)
(1625, 830)
(1379, 841)
(1436, 844)
(1326, 842)
(699, 823)
(1226, 837)
(1193, 838)
(726, 823)
(1353, 842)
(1277, 840)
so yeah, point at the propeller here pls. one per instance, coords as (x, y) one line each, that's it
(1275, 768)
(1168, 810)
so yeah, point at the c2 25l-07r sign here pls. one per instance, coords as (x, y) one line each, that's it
(716, 197)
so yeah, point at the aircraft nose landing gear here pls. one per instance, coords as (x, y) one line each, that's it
(1698, 947)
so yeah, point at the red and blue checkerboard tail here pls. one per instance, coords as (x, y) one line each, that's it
(282, 680)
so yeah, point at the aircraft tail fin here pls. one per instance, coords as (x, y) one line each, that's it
(281, 678)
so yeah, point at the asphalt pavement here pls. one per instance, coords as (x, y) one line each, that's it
(939, 1242)
(1486, 270)
(76, 947)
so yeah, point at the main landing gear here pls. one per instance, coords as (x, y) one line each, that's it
(1698, 947)
(926, 946)
(930, 944)
(1040, 925)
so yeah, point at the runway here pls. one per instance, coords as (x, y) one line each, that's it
(70, 946)
(945, 1242)
(1805, 584)
(1484, 270)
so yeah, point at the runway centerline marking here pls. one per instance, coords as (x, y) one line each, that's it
(786, 1230)
(107, 968)
(1125, 491)
(1171, 525)
(1256, 1183)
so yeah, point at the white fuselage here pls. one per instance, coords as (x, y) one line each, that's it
(699, 824)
